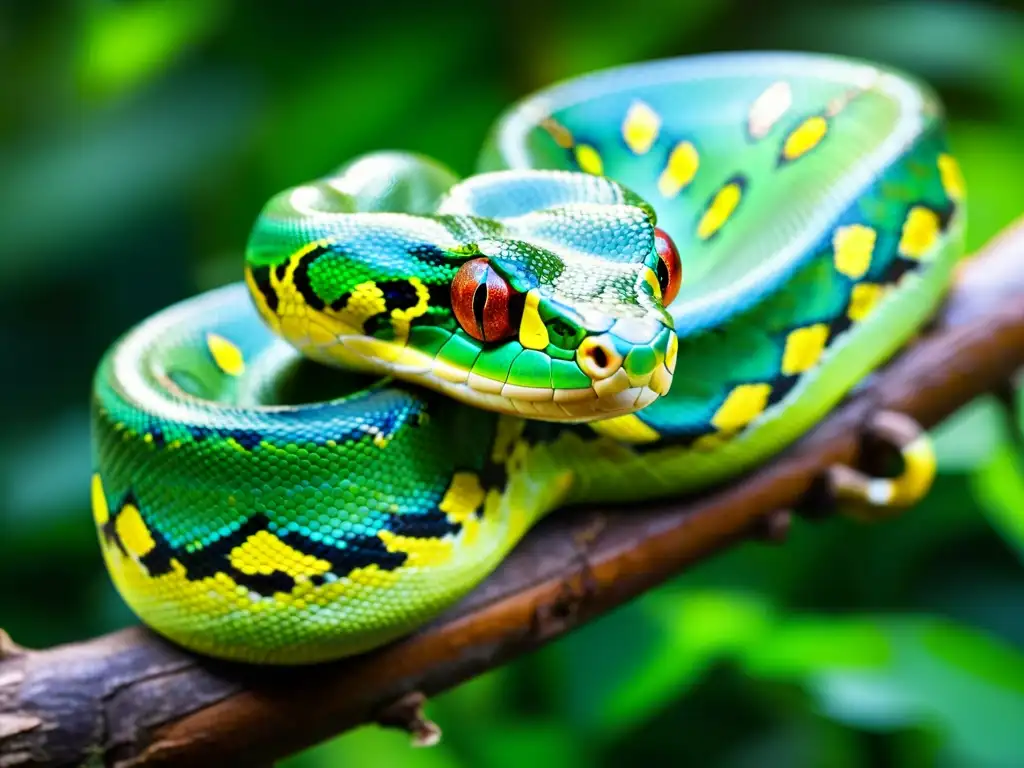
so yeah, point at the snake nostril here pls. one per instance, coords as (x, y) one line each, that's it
(598, 358)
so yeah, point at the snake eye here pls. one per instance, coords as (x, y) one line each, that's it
(670, 269)
(481, 300)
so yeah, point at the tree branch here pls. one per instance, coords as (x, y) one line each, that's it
(132, 699)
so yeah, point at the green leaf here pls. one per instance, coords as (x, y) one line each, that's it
(607, 33)
(108, 170)
(804, 646)
(992, 157)
(352, 100)
(970, 436)
(999, 488)
(966, 684)
(697, 629)
(124, 44)
(480, 699)
(45, 471)
(535, 743)
(591, 671)
(976, 655)
(894, 673)
(373, 746)
(967, 44)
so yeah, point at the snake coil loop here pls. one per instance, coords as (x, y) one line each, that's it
(663, 275)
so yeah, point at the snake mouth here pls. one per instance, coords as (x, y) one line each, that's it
(618, 384)
(606, 384)
(579, 405)
(605, 398)
(569, 405)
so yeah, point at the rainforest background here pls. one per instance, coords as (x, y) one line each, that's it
(138, 141)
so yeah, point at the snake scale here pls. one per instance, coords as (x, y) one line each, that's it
(660, 276)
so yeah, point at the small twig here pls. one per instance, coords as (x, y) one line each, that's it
(8, 647)
(407, 714)
(774, 527)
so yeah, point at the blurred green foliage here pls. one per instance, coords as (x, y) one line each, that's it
(139, 139)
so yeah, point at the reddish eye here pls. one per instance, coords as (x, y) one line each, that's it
(480, 300)
(670, 269)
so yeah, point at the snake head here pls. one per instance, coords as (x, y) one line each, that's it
(537, 293)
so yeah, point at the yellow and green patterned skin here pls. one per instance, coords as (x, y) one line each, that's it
(417, 368)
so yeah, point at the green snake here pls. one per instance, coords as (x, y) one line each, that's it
(661, 275)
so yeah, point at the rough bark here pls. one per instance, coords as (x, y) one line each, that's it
(132, 699)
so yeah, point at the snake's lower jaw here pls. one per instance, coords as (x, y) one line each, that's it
(615, 395)
(561, 405)
(616, 391)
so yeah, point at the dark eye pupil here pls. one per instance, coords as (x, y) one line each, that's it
(479, 302)
(663, 275)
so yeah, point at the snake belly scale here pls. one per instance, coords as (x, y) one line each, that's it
(662, 275)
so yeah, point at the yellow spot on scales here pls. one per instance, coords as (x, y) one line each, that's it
(180, 600)
(920, 233)
(804, 137)
(370, 579)
(518, 457)
(232, 443)
(263, 553)
(226, 355)
(712, 442)
(364, 347)
(588, 159)
(533, 334)
(952, 178)
(744, 404)
(863, 299)
(100, 510)
(768, 109)
(308, 328)
(421, 552)
(628, 429)
(290, 300)
(853, 247)
(682, 166)
(132, 531)
(650, 277)
(803, 348)
(640, 128)
(507, 433)
(365, 301)
(720, 209)
(379, 438)
(463, 497)
(319, 335)
(492, 504)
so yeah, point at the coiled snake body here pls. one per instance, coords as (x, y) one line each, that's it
(662, 275)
